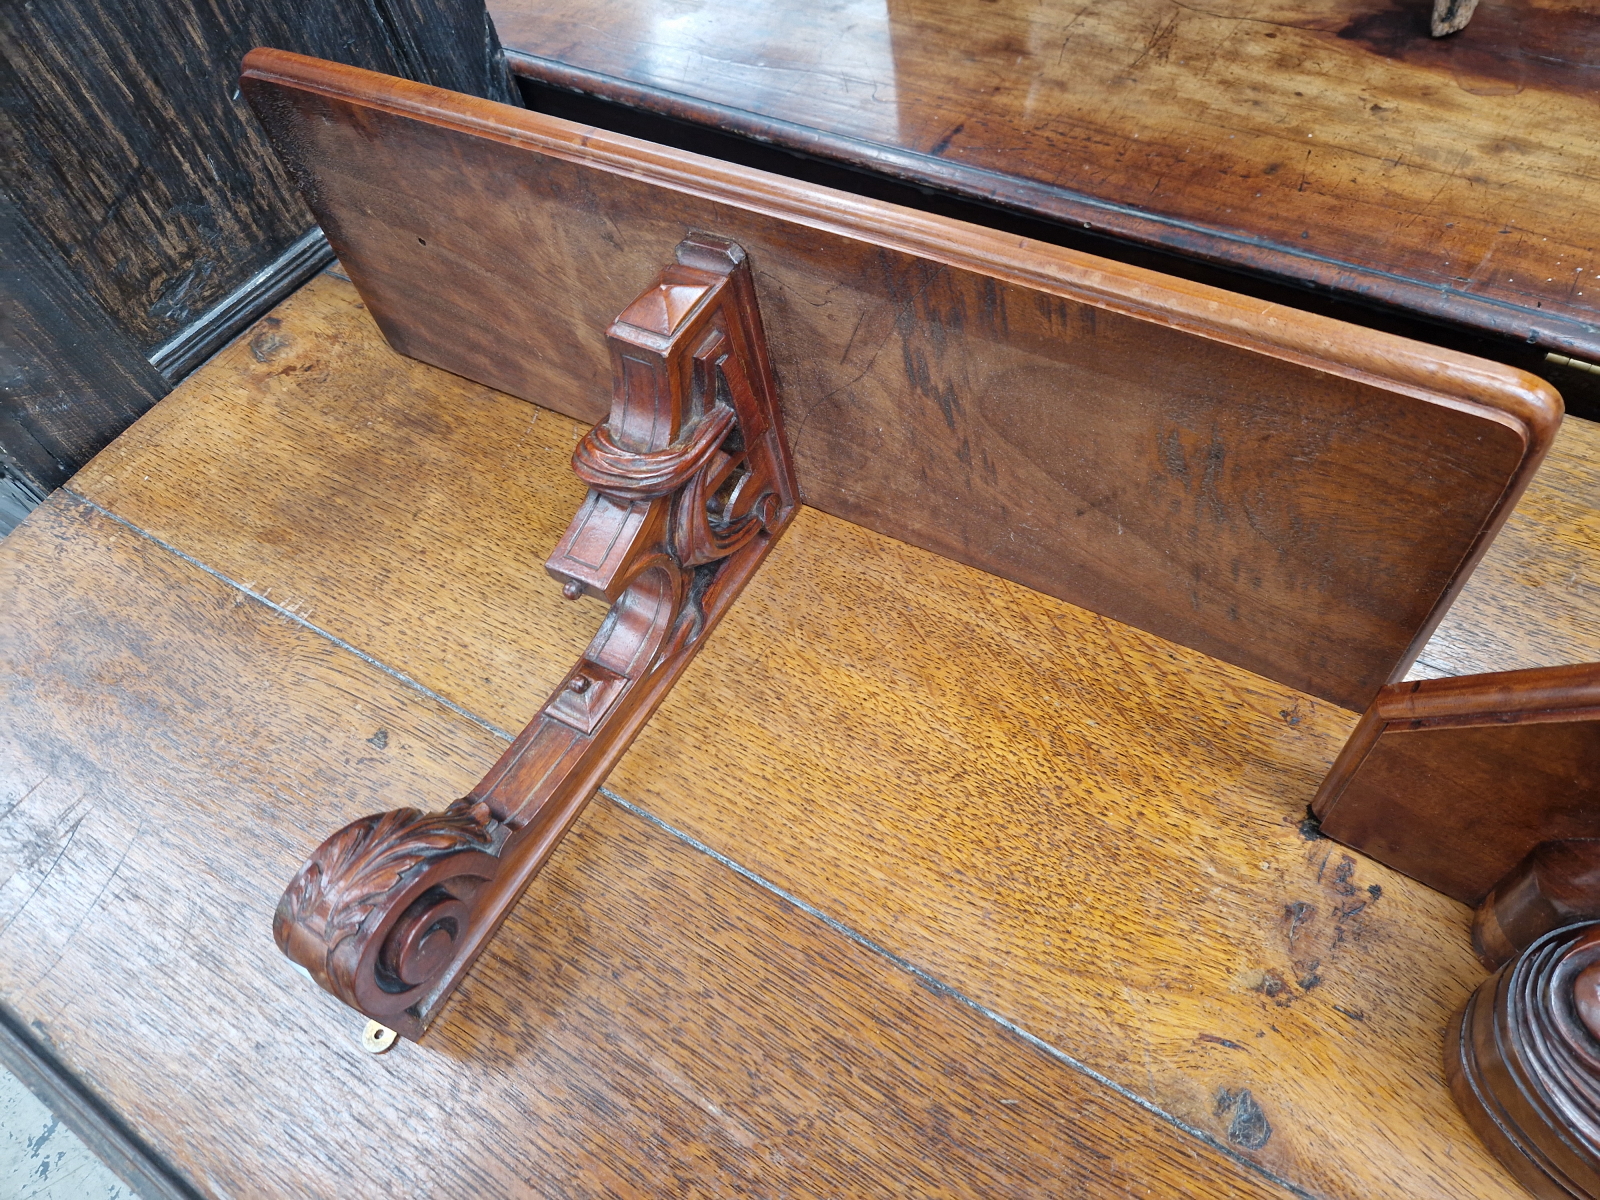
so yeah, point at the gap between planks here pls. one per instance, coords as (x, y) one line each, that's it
(925, 979)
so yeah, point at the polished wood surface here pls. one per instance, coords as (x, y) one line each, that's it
(650, 1025)
(689, 488)
(1454, 781)
(1217, 471)
(1093, 834)
(1332, 143)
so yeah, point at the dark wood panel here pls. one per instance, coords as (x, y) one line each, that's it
(1453, 781)
(70, 380)
(1223, 473)
(1331, 143)
(155, 221)
(129, 147)
(648, 1023)
(1097, 834)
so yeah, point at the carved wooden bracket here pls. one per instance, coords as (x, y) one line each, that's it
(1556, 885)
(690, 486)
(1453, 781)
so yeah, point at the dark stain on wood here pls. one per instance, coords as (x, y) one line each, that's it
(1247, 1124)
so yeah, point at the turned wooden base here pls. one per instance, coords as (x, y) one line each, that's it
(1524, 1064)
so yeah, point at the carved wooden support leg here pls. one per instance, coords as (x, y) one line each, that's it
(1487, 788)
(690, 486)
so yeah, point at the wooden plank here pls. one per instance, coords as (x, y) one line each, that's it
(73, 380)
(383, 454)
(1094, 833)
(649, 1023)
(1218, 471)
(131, 153)
(1455, 781)
(1305, 140)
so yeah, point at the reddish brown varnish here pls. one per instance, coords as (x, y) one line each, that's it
(1557, 884)
(1278, 490)
(1328, 142)
(1523, 1063)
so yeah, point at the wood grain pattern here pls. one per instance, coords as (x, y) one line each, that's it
(1533, 601)
(1062, 818)
(1299, 139)
(688, 1032)
(1200, 465)
(1453, 781)
(129, 148)
(144, 215)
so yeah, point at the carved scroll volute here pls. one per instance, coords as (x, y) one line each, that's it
(381, 906)
(690, 484)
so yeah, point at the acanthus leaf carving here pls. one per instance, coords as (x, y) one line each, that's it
(690, 485)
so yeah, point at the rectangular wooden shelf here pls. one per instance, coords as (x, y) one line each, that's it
(306, 587)
(1221, 472)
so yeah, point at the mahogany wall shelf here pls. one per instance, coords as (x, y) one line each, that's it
(308, 587)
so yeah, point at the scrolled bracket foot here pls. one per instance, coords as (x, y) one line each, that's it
(690, 485)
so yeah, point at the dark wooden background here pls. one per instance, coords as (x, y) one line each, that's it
(145, 220)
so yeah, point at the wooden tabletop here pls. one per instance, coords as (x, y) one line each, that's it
(1331, 143)
(989, 896)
